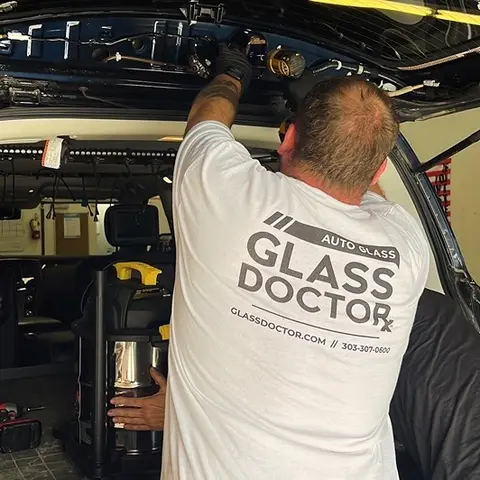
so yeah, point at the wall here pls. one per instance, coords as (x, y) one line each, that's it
(24, 245)
(49, 227)
(15, 237)
(433, 136)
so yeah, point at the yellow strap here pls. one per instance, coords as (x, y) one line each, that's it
(148, 273)
(164, 332)
(419, 10)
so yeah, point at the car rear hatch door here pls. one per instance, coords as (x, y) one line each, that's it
(432, 48)
(416, 41)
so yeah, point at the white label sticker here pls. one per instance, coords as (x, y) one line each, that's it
(72, 227)
(52, 153)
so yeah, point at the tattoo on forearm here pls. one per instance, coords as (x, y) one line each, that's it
(217, 101)
(221, 88)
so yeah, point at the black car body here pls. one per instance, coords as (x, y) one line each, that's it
(51, 49)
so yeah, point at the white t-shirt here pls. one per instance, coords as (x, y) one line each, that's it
(291, 315)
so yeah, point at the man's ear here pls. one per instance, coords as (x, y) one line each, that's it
(288, 145)
(379, 173)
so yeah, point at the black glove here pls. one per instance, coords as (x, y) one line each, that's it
(233, 62)
(297, 90)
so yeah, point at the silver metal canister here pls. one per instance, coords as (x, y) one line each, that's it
(132, 363)
(132, 379)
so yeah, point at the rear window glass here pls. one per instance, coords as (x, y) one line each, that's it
(408, 32)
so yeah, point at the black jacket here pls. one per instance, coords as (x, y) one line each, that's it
(436, 406)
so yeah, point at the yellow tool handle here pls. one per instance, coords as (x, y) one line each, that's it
(164, 332)
(148, 273)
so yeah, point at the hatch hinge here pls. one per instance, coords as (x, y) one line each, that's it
(201, 12)
(24, 96)
(449, 152)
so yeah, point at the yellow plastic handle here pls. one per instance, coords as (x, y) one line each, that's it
(148, 273)
(164, 332)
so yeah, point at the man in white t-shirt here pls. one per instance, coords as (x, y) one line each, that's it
(295, 292)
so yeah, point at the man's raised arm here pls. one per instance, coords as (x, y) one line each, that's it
(218, 101)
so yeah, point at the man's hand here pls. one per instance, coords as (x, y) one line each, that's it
(146, 413)
(233, 62)
(218, 101)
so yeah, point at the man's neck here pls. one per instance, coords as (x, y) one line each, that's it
(377, 189)
(337, 193)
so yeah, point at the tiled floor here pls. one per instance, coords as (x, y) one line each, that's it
(47, 462)
(43, 463)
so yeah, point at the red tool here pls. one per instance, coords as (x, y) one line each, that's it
(11, 411)
(17, 433)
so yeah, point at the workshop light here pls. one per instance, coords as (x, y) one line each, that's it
(167, 180)
(31, 190)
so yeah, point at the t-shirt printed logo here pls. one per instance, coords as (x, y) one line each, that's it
(319, 236)
(333, 287)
